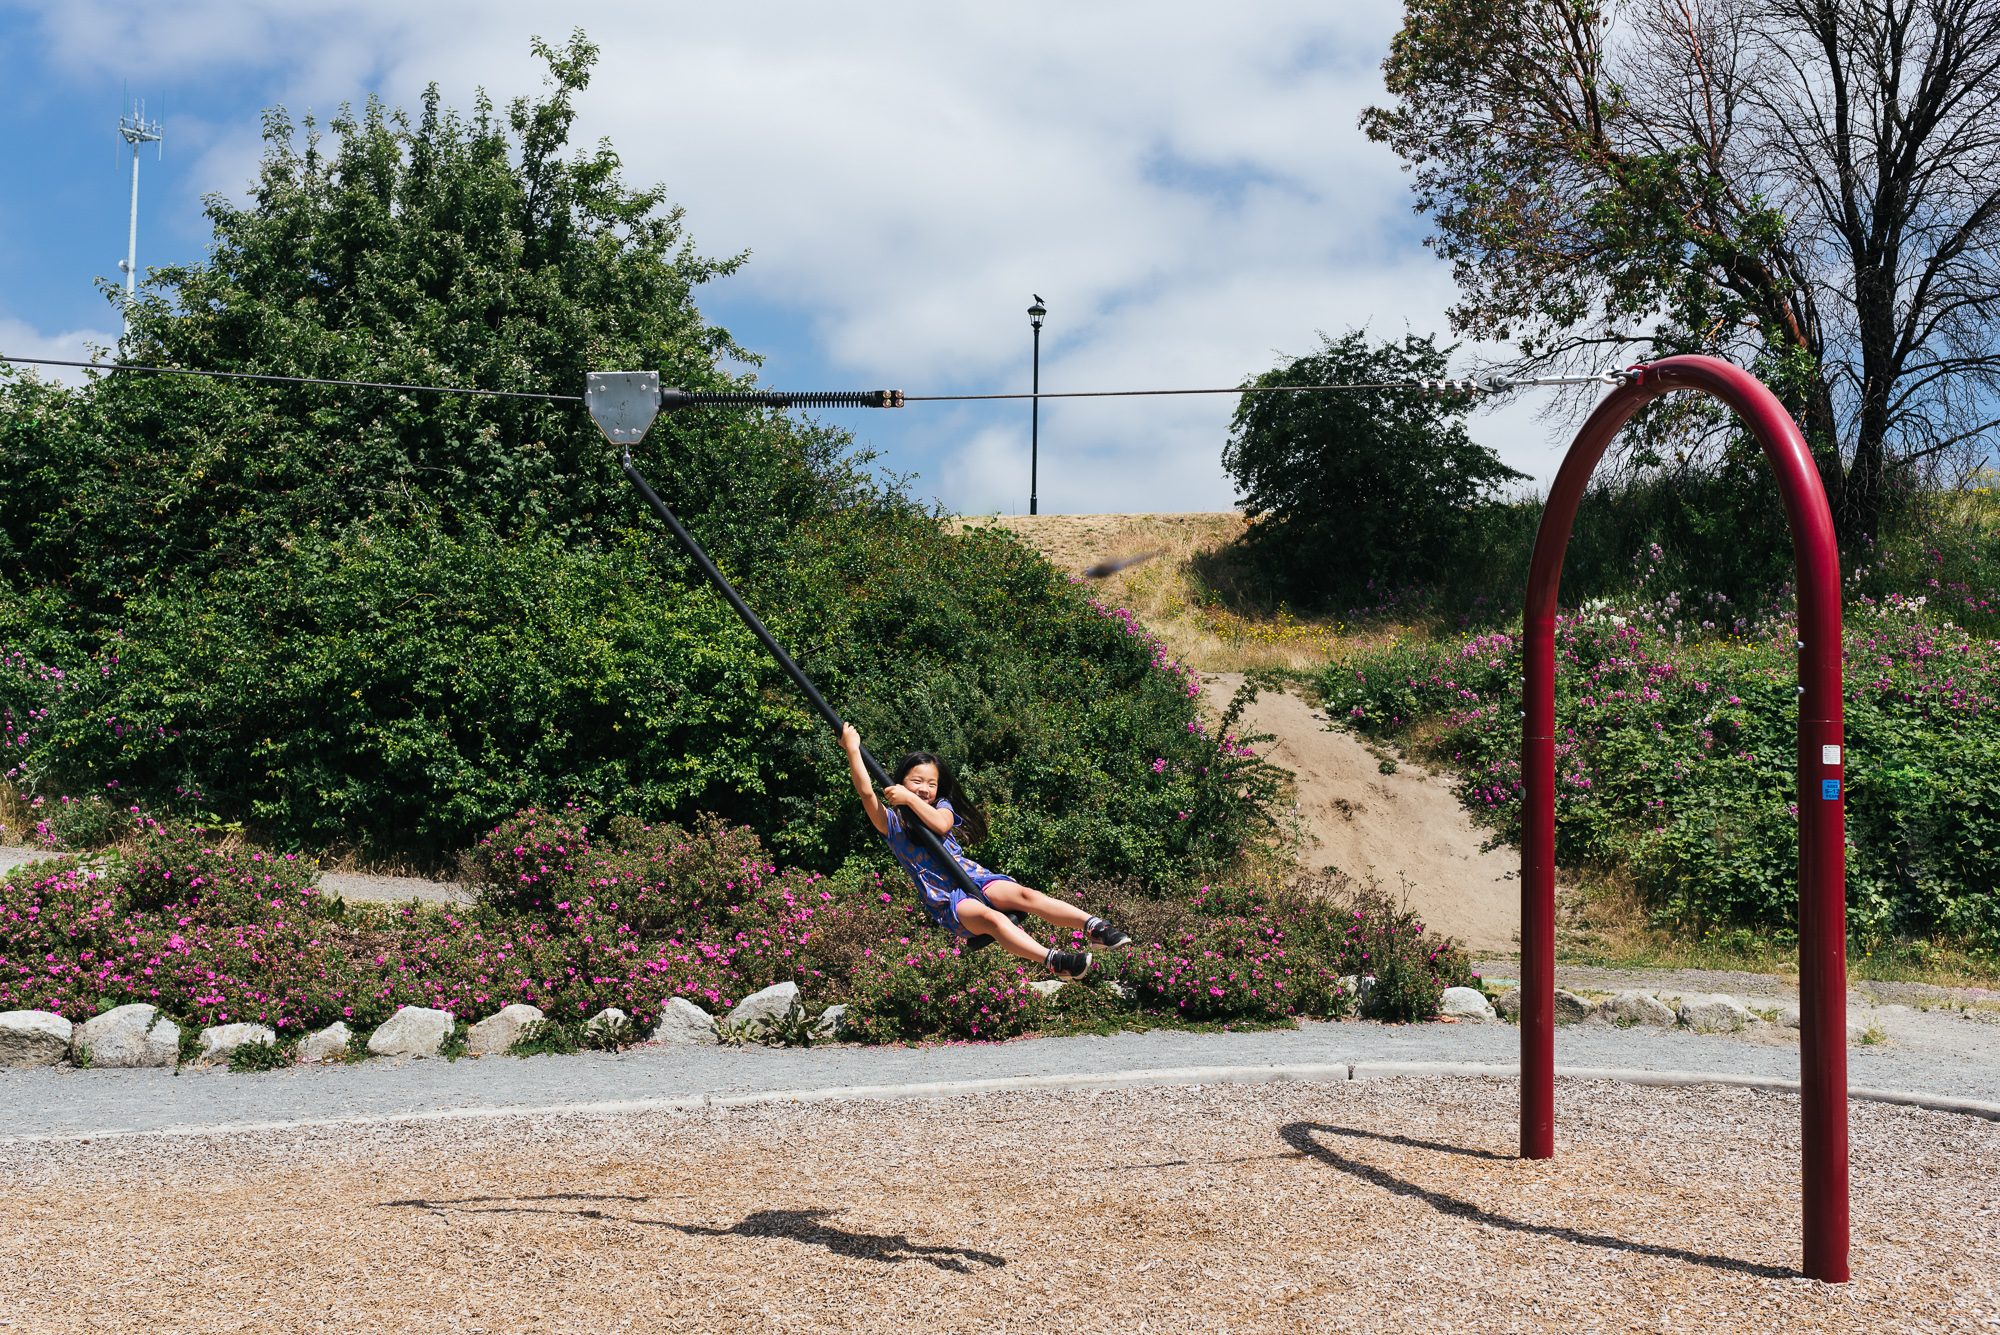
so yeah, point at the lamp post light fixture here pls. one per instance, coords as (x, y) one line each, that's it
(1035, 314)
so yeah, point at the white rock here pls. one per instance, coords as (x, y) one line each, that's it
(1465, 1003)
(1359, 987)
(1634, 1008)
(218, 1041)
(329, 1044)
(413, 1031)
(497, 1032)
(1571, 1008)
(761, 1008)
(832, 1023)
(608, 1020)
(681, 1021)
(129, 1036)
(1717, 1014)
(1120, 990)
(1048, 987)
(33, 1038)
(1791, 1017)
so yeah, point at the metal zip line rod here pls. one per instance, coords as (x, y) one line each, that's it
(925, 836)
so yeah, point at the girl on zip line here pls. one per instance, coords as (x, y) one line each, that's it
(922, 789)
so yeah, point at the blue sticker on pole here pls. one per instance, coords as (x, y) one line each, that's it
(1829, 789)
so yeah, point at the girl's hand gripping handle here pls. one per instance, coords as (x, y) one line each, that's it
(857, 771)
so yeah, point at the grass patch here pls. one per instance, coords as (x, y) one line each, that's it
(1194, 595)
(545, 1038)
(277, 1056)
(1602, 923)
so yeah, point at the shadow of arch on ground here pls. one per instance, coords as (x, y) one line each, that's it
(1300, 1136)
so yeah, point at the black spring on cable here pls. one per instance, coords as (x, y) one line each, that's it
(671, 399)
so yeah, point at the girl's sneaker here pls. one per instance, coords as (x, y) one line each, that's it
(1102, 933)
(1069, 964)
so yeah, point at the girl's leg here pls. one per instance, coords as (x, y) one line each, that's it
(980, 920)
(1013, 895)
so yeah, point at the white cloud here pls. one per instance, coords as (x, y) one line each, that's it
(1183, 182)
(18, 339)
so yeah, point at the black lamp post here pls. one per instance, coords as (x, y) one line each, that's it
(1035, 314)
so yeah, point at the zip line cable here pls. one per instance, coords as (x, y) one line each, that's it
(874, 398)
(1492, 385)
(295, 379)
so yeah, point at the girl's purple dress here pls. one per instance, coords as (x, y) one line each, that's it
(936, 889)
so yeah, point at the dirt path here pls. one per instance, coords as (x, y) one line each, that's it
(1403, 828)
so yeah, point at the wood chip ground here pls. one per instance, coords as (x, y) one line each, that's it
(1396, 1205)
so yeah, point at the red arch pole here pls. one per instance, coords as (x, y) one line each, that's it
(1821, 794)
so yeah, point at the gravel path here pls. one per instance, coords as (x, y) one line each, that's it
(65, 1101)
(349, 885)
(1375, 1207)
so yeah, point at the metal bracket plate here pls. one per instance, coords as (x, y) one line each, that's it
(622, 403)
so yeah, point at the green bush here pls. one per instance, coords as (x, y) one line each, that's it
(415, 688)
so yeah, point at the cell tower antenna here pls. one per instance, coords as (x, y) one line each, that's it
(135, 130)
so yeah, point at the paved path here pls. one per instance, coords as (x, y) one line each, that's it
(60, 1100)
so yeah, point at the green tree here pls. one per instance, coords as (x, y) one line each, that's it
(1810, 187)
(456, 251)
(1357, 486)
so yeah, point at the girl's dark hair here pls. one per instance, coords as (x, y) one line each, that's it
(972, 821)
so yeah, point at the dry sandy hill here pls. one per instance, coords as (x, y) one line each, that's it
(1403, 828)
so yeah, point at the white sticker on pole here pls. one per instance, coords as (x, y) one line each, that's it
(1829, 755)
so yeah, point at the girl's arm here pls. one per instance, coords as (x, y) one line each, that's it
(850, 742)
(941, 822)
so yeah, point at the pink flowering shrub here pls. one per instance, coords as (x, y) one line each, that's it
(932, 988)
(1250, 954)
(214, 934)
(1676, 758)
(644, 914)
(1246, 966)
(65, 824)
(237, 943)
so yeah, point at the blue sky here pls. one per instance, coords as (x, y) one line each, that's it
(1183, 184)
